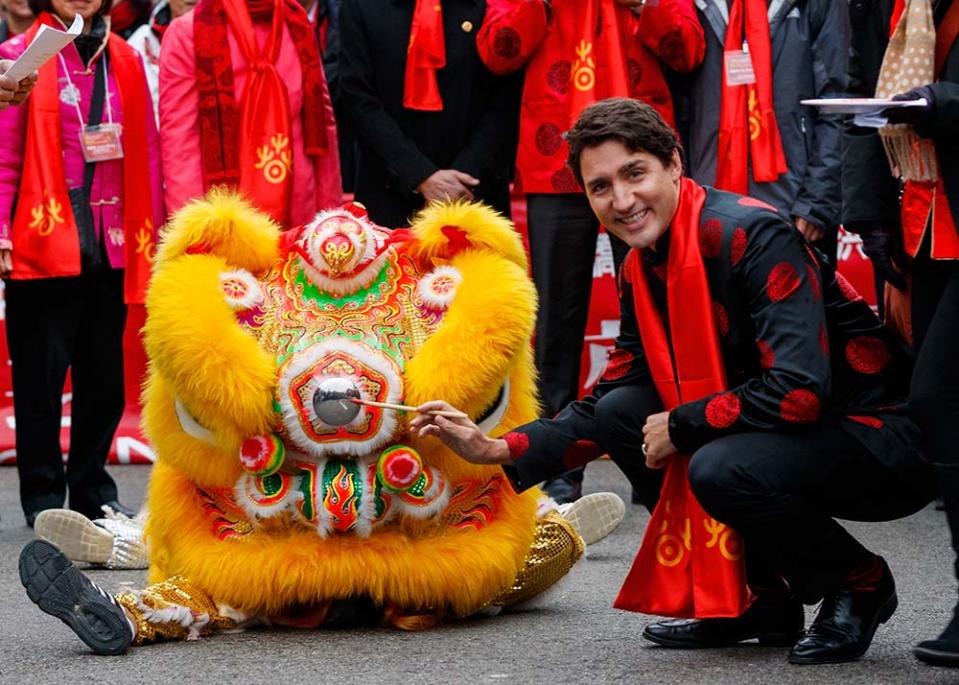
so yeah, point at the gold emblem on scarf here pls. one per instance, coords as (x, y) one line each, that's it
(584, 68)
(730, 545)
(671, 548)
(755, 118)
(275, 159)
(46, 216)
(145, 244)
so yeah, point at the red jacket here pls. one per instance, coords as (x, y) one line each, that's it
(515, 32)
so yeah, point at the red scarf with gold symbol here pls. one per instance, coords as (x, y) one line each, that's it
(261, 164)
(46, 242)
(599, 51)
(689, 565)
(425, 54)
(747, 120)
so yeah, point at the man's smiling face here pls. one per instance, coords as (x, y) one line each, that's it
(632, 193)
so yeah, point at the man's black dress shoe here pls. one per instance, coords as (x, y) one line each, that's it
(60, 589)
(944, 650)
(846, 622)
(31, 518)
(773, 621)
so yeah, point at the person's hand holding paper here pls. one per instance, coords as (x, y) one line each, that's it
(17, 78)
(14, 92)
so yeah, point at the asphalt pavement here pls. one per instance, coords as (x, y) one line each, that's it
(576, 637)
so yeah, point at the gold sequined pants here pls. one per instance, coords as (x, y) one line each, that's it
(556, 547)
(176, 609)
(172, 610)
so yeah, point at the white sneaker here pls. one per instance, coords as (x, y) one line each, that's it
(594, 516)
(112, 542)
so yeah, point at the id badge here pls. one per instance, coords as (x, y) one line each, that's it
(101, 143)
(739, 68)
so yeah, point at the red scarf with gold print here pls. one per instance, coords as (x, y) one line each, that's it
(599, 56)
(46, 243)
(250, 147)
(747, 121)
(689, 565)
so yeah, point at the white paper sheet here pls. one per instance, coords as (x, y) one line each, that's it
(868, 106)
(48, 42)
(868, 111)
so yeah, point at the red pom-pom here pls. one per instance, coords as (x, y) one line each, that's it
(262, 454)
(399, 467)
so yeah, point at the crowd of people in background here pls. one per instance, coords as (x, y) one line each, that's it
(402, 102)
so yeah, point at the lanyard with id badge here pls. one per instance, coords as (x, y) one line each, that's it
(99, 142)
(739, 64)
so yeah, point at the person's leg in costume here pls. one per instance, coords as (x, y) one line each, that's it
(178, 609)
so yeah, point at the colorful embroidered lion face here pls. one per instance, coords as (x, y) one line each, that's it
(258, 344)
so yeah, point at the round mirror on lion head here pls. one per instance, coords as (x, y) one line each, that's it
(333, 401)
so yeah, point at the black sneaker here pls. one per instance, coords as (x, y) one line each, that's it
(60, 589)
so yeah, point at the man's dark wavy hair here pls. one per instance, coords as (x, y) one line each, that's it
(633, 123)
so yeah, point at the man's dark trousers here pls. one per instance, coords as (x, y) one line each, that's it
(780, 491)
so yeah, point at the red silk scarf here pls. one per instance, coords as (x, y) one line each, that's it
(425, 54)
(747, 120)
(599, 48)
(261, 164)
(45, 237)
(689, 565)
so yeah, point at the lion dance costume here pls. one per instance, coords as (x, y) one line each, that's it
(260, 510)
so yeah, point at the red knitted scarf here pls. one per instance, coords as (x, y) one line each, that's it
(219, 113)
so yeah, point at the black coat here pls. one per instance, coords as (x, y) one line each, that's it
(810, 46)
(798, 343)
(476, 132)
(870, 193)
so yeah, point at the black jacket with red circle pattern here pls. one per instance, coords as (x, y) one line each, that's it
(799, 345)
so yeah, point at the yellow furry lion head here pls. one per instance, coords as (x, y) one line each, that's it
(259, 496)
